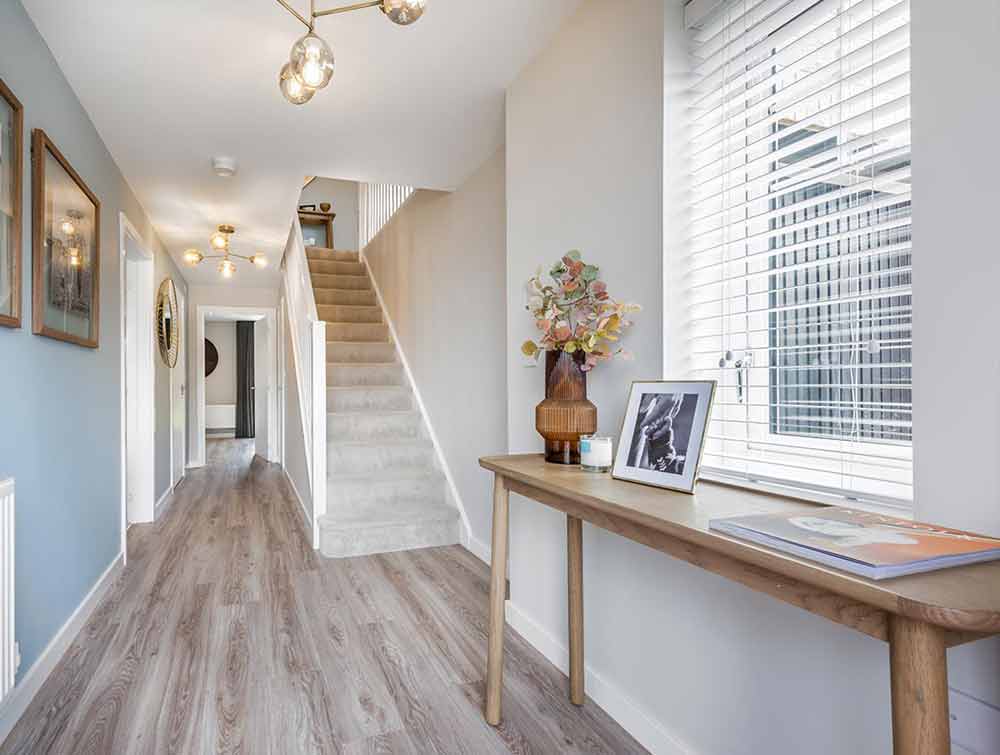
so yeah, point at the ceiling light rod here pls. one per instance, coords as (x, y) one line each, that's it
(310, 23)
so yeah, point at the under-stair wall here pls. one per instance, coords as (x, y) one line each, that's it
(304, 337)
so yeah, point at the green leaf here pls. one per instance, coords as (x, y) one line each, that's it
(590, 272)
(574, 255)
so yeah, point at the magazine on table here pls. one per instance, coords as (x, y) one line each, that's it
(861, 542)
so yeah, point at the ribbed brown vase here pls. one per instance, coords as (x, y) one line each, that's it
(565, 414)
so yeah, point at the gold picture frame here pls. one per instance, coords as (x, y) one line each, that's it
(680, 424)
(11, 207)
(66, 249)
(168, 335)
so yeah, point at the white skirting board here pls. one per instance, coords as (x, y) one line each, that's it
(306, 517)
(22, 695)
(163, 503)
(630, 716)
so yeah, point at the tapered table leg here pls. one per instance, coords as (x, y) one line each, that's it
(498, 590)
(919, 677)
(574, 551)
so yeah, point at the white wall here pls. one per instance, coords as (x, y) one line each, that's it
(439, 264)
(956, 354)
(343, 195)
(294, 439)
(220, 386)
(684, 659)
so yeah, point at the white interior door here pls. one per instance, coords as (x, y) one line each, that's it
(178, 398)
(262, 387)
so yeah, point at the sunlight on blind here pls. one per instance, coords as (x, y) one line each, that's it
(799, 255)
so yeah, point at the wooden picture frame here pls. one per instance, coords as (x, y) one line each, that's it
(57, 292)
(322, 220)
(675, 428)
(11, 317)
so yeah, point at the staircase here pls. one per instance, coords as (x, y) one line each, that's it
(385, 489)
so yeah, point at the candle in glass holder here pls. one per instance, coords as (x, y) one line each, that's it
(595, 453)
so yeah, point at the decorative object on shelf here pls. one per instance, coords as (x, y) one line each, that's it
(66, 249)
(310, 62)
(579, 322)
(595, 453)
(324, 206)
(168, 334)
(663, 433)
(211, 357)
(220, 242)
(11, 181)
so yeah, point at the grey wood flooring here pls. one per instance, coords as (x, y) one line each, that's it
(227, 633)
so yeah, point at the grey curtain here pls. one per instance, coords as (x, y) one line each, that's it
(244, 380)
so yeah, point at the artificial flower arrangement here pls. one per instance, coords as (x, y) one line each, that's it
(575, 313)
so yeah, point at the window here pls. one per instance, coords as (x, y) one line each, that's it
(799, 258)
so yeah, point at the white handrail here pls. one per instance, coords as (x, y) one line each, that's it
(308, 342)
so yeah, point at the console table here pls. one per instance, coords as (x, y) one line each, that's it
(919, 616)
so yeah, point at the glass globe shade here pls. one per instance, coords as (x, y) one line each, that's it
(293, 89)
(403, 12)
(218, 240)
(312, 61)
(259, 260)
(67, 227)
(227, 268)
(193, 256)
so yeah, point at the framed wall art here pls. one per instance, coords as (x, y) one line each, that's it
(663, 433)
(168, 335)
(11, 170)
(66, 248)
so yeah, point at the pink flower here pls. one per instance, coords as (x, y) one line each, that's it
(563, 333)
(544, 325)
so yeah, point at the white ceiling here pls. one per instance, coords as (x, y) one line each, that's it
(171, 84)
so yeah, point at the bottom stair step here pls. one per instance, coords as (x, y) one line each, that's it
(366, 529)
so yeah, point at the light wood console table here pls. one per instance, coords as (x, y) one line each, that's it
(920, 616)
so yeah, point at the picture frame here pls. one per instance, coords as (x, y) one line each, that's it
(66, 249)
(11, 210)
(663, 433)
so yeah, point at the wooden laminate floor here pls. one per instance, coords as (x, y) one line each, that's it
(227, 633)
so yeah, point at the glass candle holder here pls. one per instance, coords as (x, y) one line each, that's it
(595, 453)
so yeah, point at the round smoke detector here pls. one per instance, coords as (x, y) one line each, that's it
(224, 166)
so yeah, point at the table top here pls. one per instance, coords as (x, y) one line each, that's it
(965, 598)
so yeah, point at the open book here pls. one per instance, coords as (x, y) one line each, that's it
(870, 545)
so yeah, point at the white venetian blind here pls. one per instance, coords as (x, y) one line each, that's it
(799, 259)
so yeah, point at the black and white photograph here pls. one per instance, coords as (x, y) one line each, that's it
(663, 433)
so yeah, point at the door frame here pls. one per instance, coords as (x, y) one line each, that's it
(175, 375)
(143, 443)
(198, 449)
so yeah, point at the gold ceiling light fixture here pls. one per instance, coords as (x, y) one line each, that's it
(219, 242)
(310, 63)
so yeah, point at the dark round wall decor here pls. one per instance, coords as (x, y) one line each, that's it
(211, 357)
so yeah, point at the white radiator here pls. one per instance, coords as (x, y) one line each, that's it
(8, 648)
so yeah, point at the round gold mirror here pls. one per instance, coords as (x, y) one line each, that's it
(168, 334)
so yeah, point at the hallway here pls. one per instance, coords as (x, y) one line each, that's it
(227, 633)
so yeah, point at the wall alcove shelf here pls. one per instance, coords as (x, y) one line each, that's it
(920, 616)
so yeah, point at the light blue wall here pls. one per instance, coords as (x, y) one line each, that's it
(59, 403)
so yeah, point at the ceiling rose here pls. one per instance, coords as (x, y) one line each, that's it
(310, 63)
